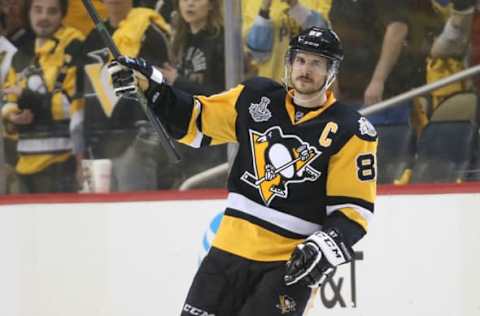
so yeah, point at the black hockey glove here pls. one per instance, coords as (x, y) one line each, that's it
(316, 258)
(130, 73)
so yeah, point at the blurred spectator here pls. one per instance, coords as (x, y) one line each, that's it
(439, 33)
(454, 38)
(15, 30)
(164, 7)
(424, 24)
(199, 57)
(42, 101)
(449, 48)
(14, 18)
(78, 17)
(269, 25)
(7, 151)
(475, 39)
(377, 64)
(198, 48)
(117, 129)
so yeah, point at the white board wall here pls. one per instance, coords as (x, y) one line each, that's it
(421, 257)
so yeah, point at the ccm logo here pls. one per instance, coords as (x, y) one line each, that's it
(195, 311)
(333, 247)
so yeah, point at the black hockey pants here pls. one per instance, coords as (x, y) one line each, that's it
(228, 285)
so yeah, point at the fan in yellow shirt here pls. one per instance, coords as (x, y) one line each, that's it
(268, 26)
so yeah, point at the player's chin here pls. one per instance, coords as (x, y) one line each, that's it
(303, 86)
(306, 89)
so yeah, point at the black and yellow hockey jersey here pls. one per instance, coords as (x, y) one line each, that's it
(47, 73)
(290, 177)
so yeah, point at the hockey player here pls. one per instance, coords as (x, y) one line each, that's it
(302, 186)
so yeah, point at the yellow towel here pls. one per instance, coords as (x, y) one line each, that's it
(129, 34)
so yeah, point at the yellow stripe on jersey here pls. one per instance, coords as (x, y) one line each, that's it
(355, 216)
(30, 164)
(346, 168)
(247, 240)
(219, 115)
(192, 132)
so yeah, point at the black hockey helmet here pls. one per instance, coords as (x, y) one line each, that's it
(318, 40)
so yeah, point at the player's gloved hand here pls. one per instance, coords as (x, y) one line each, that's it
(304, 153)
(128, 74)
(316, 258)
(269, 172)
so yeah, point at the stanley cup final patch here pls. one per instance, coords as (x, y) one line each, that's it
(259, 111)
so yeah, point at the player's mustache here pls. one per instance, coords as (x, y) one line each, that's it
(304, 78)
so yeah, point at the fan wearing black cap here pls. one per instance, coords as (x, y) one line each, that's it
(301, 188)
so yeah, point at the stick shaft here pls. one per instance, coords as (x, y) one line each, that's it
(280, 169)
(165, 139)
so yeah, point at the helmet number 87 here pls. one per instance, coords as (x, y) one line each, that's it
(366, 167)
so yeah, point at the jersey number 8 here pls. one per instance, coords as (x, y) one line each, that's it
(366, 167)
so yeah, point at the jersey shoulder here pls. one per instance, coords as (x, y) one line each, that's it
(351, 120)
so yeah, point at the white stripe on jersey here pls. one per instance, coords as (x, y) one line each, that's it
(44, 145)
(286, 221)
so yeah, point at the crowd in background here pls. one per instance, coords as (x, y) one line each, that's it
(58, 108)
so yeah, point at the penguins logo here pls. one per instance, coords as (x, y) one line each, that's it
(278, 160)
(97, 74)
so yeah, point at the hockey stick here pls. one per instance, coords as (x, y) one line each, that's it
(165, 139)
(251, 179)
